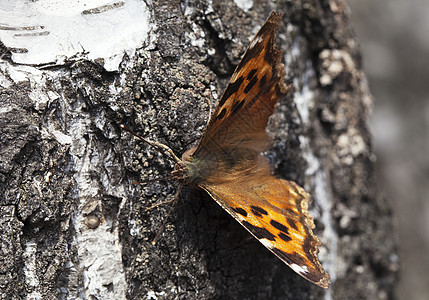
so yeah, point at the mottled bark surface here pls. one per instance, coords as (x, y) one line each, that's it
(67, 170)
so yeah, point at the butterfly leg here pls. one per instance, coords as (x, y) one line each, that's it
(174, 201)
(159, 204)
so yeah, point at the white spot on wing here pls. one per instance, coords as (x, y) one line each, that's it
(255, 41)
(299, 269)
(266, 243)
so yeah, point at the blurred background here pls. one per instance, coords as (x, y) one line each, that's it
(394, 38)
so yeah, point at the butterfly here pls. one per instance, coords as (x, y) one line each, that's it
(227, 162)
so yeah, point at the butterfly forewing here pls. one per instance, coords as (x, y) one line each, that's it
(250, 97)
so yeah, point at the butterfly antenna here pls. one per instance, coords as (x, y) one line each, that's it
(152, 180)
(174, 201)
(153, 144)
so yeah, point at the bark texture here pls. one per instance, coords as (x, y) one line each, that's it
(70, 210)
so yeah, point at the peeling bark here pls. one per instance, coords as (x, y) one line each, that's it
(73, 224)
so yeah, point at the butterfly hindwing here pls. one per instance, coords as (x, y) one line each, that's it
(275, 212)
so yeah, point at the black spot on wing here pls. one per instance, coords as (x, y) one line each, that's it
(280, 227)
(251, 74)
(292, 223)
(312, 274)
(290, 258)
(284, 237)
(258, 211)
(240, 211)
(308, 246)
(250, 84)
(231, 89)
(298, 259)
(221, 114)
(270, 52)
(279, 92)
(250, 53)
(237, 106)
(283, 255)
(259, 232)
(263, 81)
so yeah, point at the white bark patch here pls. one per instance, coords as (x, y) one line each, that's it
(30, 271)
(350, 144)
(99, 254)
(196, 37)
(245, 5)
(304, 97)
(51, 31)
(318, 179)
(99, 250)
(334, 62)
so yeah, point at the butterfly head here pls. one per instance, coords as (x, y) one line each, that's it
(182, 169)
(190, 169)
(187, 155)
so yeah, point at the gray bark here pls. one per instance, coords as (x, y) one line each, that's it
(73, 224)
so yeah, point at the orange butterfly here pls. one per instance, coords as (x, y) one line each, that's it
(227, 163)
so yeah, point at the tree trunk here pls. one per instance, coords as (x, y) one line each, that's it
(73, 224)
